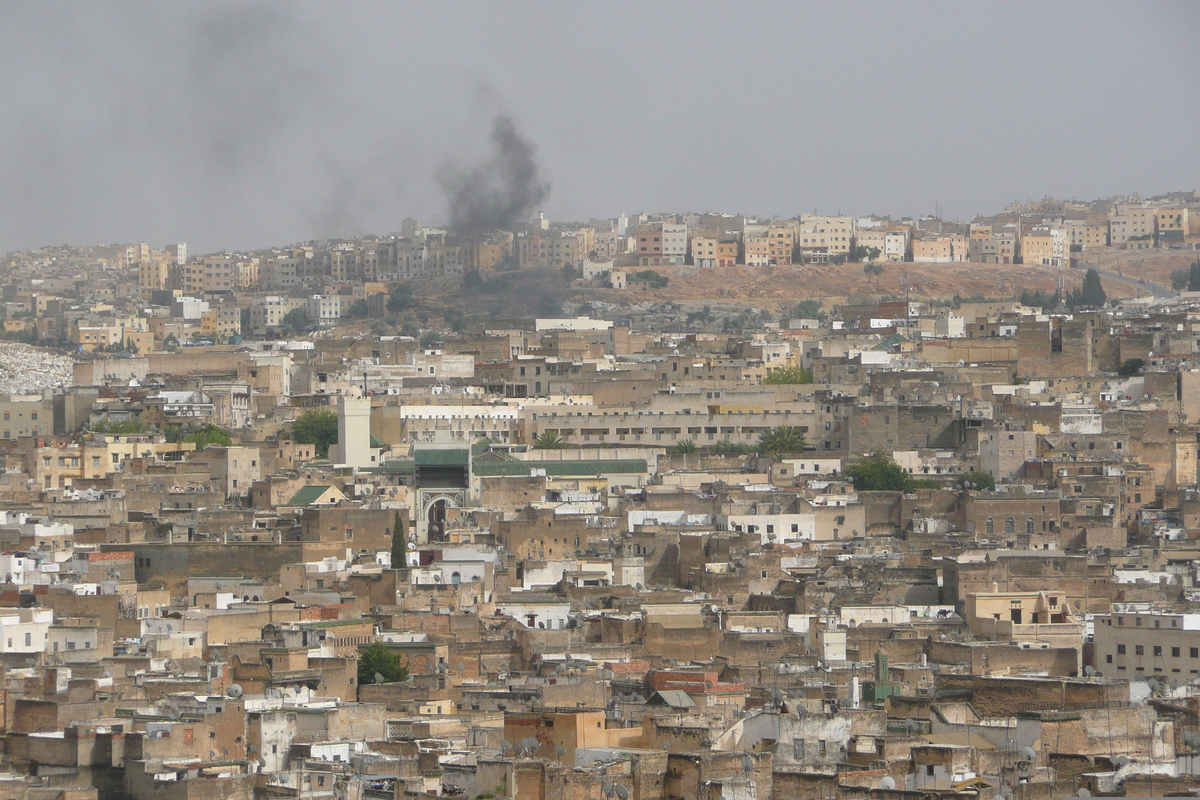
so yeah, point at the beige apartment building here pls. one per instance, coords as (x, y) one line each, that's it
(820, 237)
(1047, 247)
(781, 239)
(1151, 644)
(26, 415)
(663, 428)
(1087, 237)
(1171, 224)
(940, 250)
(1044, 617)
(758, 251)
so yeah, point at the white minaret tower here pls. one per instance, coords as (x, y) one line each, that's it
(354, 432)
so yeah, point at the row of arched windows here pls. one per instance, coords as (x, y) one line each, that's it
(1010, 525)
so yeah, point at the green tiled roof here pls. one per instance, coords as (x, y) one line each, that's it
(891, 341)
(561, 468)
(442, 458)
(307, 495)
(397, 466)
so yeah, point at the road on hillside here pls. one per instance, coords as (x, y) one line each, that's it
(1160, 292)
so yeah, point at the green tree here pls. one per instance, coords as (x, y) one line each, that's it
(319, 428)
(683, 447)
(979, 479)
(1131, 366)
(455, 319)
(399, 543)
(549, 440)
(878, 472)
(806, 309)
(124, 426)
(377, 659)
(781, 440)
(873, 270)
(548, 306)
(209, 434)
(1187, 278)
(786, 376)
(295, 320)
(358, 310)
(726, 448)
(569, 272)
(652, 278)
(400, 297)
(1091, 294)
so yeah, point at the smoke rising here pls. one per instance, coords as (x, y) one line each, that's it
(499, 193)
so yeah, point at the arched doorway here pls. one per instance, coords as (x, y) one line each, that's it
(435, 529)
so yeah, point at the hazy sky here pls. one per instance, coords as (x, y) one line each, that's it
(240, 124)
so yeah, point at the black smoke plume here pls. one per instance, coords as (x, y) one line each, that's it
(501, 192)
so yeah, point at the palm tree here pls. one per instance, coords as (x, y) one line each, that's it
(549, 440)
(781, 440)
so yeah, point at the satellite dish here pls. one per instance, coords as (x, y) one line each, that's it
(888, 783)
(1082, 792)
(560, 751)
(262, 763)
(622, 792)
(1122, 761)
(505, 747)
(460, 666)
(379, 677)
(666, 745)
(824, 612)
(1154, 684)
(1089, 670)
(234, 690)
(1028, 753)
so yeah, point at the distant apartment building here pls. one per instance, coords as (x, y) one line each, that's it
(940, 249)
(154, 275)
(1133, 222)
(711, 251)
(648, 239)
(758, 250)
(1171, 224)
(1083, 236)
(1148, 644)
(781, 241)
(324, 310)
(1047, 247)
(267, 313)
(611, 244)
(821, 237)
(26, 415)
(674, 243)
(995, 248)
(218, 275)
(555, 248)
